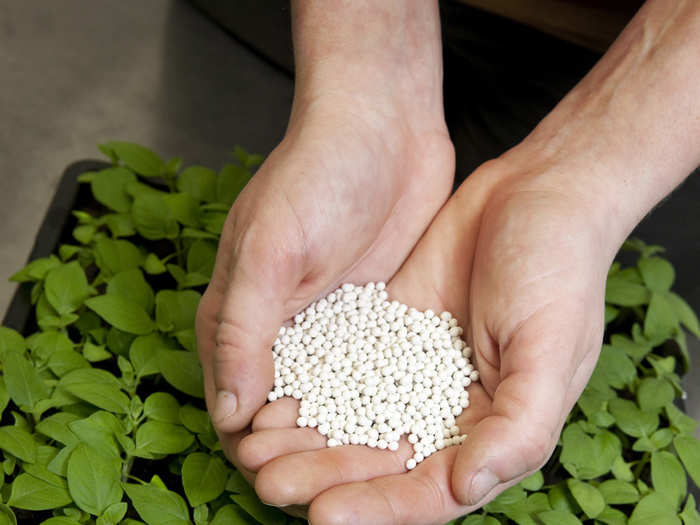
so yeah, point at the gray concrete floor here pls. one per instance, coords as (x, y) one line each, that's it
(75, 73)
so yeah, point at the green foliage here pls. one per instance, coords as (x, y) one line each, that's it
(103, 418)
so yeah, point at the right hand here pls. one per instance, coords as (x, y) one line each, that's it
(344, 197)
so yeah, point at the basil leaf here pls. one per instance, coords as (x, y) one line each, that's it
(67, 287)
(117, 255)
(98, 387)
(688, 449)
(153, 218)
(660, 321)
(158, 506)
(690, 514)
(93, 479)
(176, 310)
(232, 179)
(56, 427)
(109, 188)
(194, 419)
(680, 422)
(617, 492)
(587, 496)
(631, 420)
(131, 285)
(143, 353)
(198, 181)
(94, 353)
(31, 493)
(36, 270)
(657, 273)
(99, 430)
(653, 508)
(611, 516)
(558, 517)
(156, 437)
(653, 393)
(233, 515)
(183, 208)
(122, 313)
(684, 313)
(119, 224)
(668, 477)
(22, 380)
(203, 478)
(201, 257)
(182, 370)
(161, 406)
(10, 341)
(622, 292)
(248, 500)
(62, 362)
(19, 443)
(142, 160)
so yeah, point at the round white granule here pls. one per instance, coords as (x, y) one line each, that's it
(368, 370)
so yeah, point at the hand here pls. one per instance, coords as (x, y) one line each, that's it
(360, 174)
(522, 266)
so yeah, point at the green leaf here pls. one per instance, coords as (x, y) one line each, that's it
(248, 500)
(653, 508)
(153, 265)
(622, 292)
(233, 515)
(36, 270)
(658, 274)
(611, 516)
(84, 233)
(183, 208)
(617, 492)
(93, 479)
(668, 477)
(158, 506)
(99, 430)
(19, 443)
(153, 218)
(109, 188)
(119, 224)
(182, 370)
(533, 482)
(131, 285)
(142, 160)
(67, 287)
(635, 350)
(631, 420)
(558, 517)
(681, 423)
(98, 387)
(143, 353)
(662, 438)
(660, 320)
(10, 341)
(95, 353)
(161, 406)
(56, 427)
(615, 367)
(31, 493)
(176, 310)
(122, 313)
(22, 380)
(44, 344)
(62, 362)
(203, 478)
(199, 182)
(115, 512)
(248, 160)
(688, 449)
(684, 313)
(194, 419)
(587, 496)
(117, 255)
(653, 393)
(232, 179)
(201, 257)
(690, 514)
(585, 457)
(156, 437)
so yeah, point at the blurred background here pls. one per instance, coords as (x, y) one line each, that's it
(193, 79)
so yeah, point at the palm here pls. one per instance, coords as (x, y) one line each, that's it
(520, 271)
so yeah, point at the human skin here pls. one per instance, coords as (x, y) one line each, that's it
(519, 254)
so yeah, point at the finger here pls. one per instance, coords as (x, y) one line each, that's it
(528, 410)
(282, 413)
(299, 478)
(262, 446)
(421, 496)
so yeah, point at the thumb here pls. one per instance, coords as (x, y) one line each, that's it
(540, 381)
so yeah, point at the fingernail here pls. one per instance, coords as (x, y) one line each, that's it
(225, 406)
(482, 482)
(273, 505)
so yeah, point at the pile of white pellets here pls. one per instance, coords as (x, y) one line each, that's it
(367, 371)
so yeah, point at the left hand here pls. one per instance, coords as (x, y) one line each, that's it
(522, 266)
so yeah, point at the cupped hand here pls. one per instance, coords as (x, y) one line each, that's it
(344, 197)
(521, 262)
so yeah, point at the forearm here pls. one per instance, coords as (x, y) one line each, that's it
(629, 132)
(380, 52)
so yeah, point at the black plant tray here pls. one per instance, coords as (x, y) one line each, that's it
(55, 229)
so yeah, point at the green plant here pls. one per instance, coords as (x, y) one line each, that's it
(103, 419)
